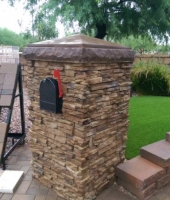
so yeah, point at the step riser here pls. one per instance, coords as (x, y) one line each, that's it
(141, 194)
(149, 190)
(163, 181)
(136, 182)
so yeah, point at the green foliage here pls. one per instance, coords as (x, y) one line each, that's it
(43, 22)
(139, 44)
(163, 49)
(113, 18)
(8, 37)
(149, 121)
(44, 25)
(151, 79)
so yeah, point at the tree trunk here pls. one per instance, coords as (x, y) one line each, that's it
(101, 30)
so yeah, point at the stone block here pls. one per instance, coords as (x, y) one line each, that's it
(158, 153)
(134, 172)
(162, 181)
(140, 193)
(168, 136)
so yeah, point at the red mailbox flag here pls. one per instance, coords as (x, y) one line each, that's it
(57, 76)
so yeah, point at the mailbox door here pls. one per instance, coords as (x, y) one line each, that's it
(48, 94)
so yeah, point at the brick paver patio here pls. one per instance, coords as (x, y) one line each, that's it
(30, 189)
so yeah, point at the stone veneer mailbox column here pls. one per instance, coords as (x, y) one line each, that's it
(75, 152)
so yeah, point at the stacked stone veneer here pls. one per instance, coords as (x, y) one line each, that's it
(75, 152)
(24, 67)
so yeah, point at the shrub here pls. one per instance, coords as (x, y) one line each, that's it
(151, 79)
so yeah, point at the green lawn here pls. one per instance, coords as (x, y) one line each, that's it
(149, 121)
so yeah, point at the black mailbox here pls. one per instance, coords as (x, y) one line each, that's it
(49, 96)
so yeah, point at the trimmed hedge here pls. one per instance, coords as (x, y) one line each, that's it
(151, 79)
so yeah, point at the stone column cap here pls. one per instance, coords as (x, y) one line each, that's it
(78, 47)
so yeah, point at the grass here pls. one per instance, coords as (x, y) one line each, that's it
(149, 118)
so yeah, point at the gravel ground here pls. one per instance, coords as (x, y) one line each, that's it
(15, 126)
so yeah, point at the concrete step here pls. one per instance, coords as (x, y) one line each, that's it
(168, 136)
(158, 153)
(140, 176)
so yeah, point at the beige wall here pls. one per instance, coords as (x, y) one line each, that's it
(162, 59)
